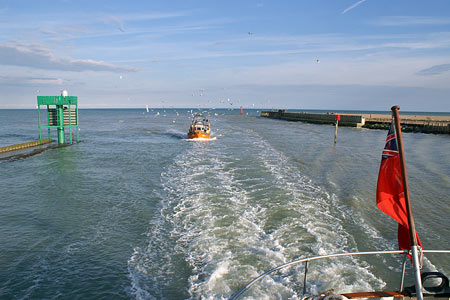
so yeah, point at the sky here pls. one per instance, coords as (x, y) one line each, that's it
(317, 54)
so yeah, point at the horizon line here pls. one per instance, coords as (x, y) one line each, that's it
(238, 108)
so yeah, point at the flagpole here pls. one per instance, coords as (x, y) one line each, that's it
(412, 228)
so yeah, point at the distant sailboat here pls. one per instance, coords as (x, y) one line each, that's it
(146, 107)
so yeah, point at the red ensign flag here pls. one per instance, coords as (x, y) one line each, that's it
(390, 195)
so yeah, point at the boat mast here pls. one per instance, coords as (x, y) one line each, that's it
(412, 229)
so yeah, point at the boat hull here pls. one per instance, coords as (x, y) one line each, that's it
(198, 135)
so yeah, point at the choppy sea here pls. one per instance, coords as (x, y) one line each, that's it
(137, 211)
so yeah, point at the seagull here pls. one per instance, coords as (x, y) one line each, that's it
(317, 61)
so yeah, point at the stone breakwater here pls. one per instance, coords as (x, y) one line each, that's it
(410, 123)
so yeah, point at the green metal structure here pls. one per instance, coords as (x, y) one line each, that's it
(63, 114)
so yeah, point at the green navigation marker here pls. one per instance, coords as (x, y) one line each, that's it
(62, 112)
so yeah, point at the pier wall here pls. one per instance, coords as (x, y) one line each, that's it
(346, 120)
(410, 123)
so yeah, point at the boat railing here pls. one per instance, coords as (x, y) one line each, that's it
(308, 259)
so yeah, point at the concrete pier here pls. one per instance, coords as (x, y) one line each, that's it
(329, 118)
(410, 123)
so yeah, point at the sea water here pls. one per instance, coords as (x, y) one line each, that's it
(137, 211)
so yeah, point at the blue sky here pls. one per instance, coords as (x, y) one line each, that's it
(322, 54)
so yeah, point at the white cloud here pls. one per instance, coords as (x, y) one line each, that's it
(369, 71)
(149, 16)
(280, 47)
(126, 27)
(410, 20)
(353, 6)
(41, 58)
(30, 81)
(115, 20)
(435, 70)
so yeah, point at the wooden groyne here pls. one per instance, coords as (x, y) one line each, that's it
(24, 145)
(410, 123)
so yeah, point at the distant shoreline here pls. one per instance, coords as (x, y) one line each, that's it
(344, 111)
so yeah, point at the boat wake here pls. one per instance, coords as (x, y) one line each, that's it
(227, 218)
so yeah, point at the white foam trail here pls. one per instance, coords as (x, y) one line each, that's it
(321, 216)
(230, 220)
(213, 220)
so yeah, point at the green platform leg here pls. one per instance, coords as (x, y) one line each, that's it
(60, 124)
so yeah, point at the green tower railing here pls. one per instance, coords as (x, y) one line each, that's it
(62, 115)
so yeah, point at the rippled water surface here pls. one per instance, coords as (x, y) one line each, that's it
(136, 211)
